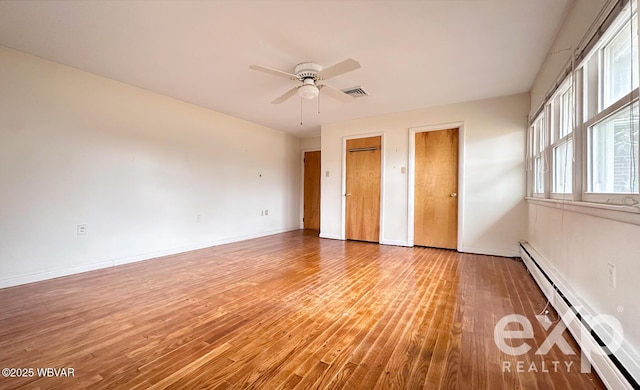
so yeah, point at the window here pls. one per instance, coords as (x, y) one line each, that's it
(562, 129)
(584, 144)
(539, 145)
(620, 63)
(563, 168)
(613, 153)
(566, 113)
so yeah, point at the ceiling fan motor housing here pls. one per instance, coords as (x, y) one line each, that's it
(307, 70)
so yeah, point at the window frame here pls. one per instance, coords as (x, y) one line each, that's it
(539, 142)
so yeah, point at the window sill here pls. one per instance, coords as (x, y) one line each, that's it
(626, 214)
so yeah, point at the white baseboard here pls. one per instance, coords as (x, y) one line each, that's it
(394, 242)
(40, 276)
(331, 236)
(489, 251)
(479, 251)
(382, 242)
(559, 292)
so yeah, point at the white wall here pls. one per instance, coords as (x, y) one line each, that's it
(136, 167)
(493, 207)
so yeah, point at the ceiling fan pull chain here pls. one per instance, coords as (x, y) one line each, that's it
(300, 111)
(318, 104)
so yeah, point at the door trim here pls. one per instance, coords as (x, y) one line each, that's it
(343, 217)
(302, 184)
(411, 178)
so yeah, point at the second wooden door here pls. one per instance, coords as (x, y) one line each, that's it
(363, 189)
(436, 189)
(311, 217)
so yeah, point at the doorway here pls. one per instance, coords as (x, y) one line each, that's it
(311, 213)
(362, 196)
(435, 216)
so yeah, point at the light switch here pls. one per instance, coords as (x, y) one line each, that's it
(403, 169)
(327, 174)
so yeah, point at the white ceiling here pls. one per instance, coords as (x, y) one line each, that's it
(413, 53)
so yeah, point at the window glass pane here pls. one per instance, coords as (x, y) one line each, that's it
(566, 113)
(539, 134)
(613, 153)
(538, 178)
(563, 168)
(620, 56)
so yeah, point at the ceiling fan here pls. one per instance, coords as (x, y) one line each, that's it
(308, 74)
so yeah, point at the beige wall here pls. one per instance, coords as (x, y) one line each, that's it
(492, 196)
(136, 167)
(579, 18)
(310, 143)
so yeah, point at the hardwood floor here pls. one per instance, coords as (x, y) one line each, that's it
(285, 311)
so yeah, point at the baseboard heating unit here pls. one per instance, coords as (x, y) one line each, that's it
(619, 369)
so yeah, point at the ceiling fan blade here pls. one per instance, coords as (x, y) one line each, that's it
(338, 69)
(286, 96)
(336, 94)
(276, 72)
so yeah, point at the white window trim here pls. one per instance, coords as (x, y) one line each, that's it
(623, 102)
(626, 214)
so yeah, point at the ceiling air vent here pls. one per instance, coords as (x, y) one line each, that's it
(356, 92)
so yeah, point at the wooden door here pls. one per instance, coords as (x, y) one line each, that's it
(436, 189)
(363, 189)
(311, 217)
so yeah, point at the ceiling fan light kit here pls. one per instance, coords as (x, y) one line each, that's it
(308, 90)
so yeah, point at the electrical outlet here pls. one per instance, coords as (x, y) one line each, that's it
(266, 212)
(543, 319)
(262, 213)
(81, 230)
(612, 275)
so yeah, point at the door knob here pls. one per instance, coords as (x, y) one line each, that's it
(453, 194)
(348, 194)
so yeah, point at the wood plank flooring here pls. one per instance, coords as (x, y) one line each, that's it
(280, 312)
